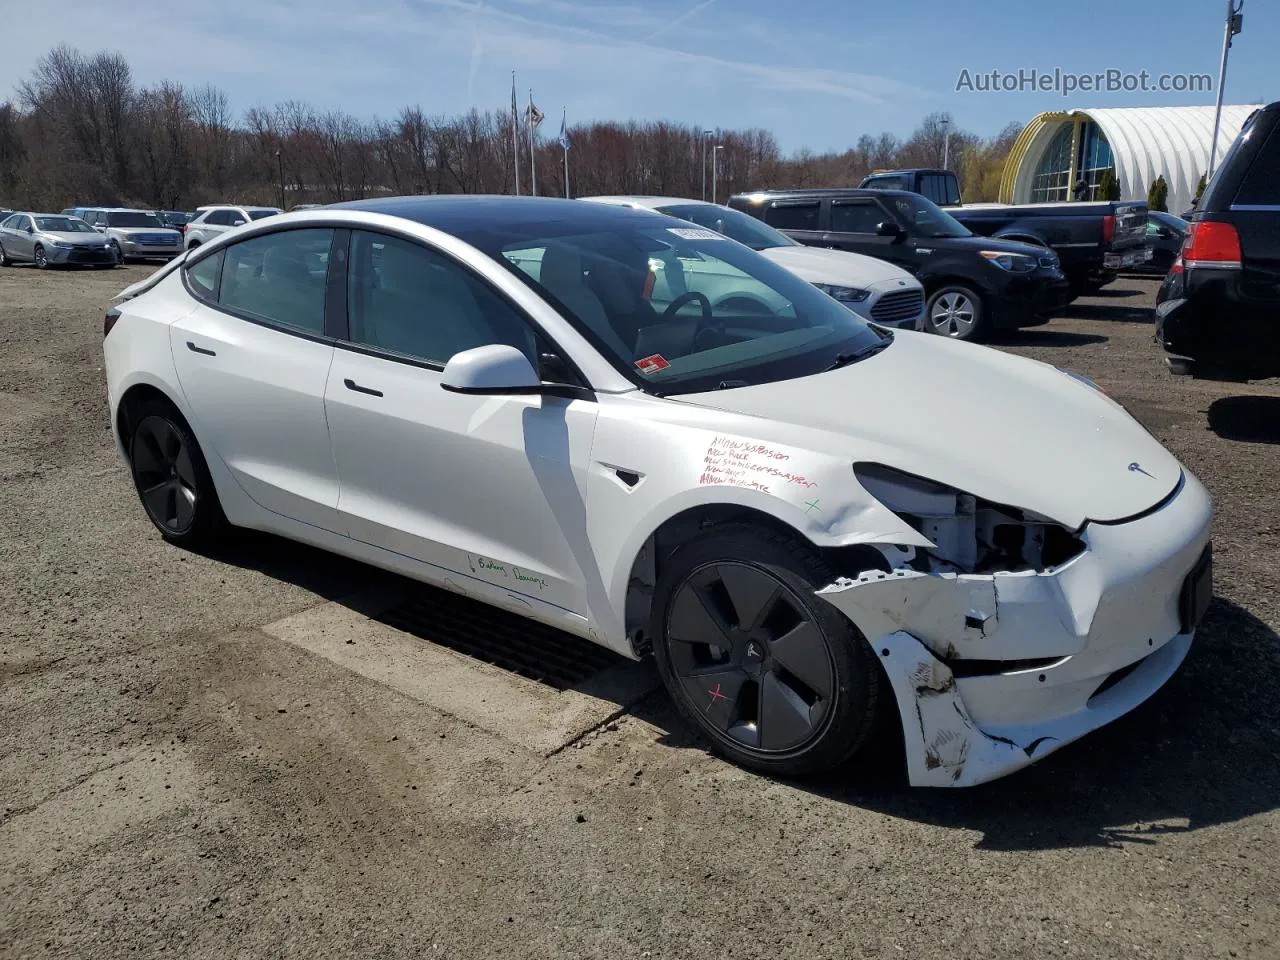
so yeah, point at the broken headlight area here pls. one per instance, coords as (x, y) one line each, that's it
(970, 535)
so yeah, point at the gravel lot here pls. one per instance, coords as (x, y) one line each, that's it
(176, 781)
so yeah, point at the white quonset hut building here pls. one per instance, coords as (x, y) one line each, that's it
(1057, 149)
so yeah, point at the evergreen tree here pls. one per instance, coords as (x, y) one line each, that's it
(1158, 194)
(1108, 186)
(1199, 191)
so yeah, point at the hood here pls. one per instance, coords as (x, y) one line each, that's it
(985, 243)
(1003, 428)
(817, 265)
(77, 238)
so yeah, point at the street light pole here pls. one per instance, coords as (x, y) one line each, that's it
(715, 168)
(946, 143)
(280, 170)
(1235, 23)
(705, 135)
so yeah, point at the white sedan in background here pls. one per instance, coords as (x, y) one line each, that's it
(781, 503)
(874, 289)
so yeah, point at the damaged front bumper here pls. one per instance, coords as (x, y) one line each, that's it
(991, 672)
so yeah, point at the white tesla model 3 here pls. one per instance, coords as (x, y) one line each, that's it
(805, 518)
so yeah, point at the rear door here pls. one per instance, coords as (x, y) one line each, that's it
(1255, 211)
(23, 242)
(253, 358)
(800, 219)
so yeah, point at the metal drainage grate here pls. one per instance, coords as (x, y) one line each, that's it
(532, 650)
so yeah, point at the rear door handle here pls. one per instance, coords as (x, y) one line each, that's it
(352, 385)
(194, 349)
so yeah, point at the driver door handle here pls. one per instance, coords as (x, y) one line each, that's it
(195, 349)
(352, 385)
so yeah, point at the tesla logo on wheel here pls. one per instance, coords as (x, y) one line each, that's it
(1136, 467)
(753, 651)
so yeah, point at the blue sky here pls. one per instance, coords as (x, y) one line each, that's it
(816, 72)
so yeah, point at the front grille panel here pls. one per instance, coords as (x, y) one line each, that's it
(899, 305)
(155, 240)
(90, 255)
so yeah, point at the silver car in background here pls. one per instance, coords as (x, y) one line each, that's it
(46, 239)
(134, 234)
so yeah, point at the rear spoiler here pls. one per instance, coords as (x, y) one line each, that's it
(142, 286)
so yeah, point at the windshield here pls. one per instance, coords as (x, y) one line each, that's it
(133, 220)
(680, 309)
(62, 225)
(924, 217)
(259, 214)
(732, 223)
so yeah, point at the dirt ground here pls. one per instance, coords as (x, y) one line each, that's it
(176, 780)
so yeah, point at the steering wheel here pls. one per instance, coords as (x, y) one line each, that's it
(706, 324)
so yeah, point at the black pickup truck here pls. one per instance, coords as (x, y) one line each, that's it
(1094, 240)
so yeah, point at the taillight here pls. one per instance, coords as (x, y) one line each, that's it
(1108, 228)
(1211, 244)
(109, 321)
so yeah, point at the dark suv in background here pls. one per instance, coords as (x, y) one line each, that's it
(1218, 310)
(973, 284)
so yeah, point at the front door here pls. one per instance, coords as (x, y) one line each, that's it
(854, 225)
(487, 488)
(252, 361)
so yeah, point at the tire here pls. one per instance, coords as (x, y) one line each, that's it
(4, 258)
(119, 255)
(172, 479)
(193, 244)
(956, 311)
(41, 260)
(796, 713)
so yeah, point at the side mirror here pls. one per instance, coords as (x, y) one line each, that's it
(495, 369)
(237, 223)
(887, 228)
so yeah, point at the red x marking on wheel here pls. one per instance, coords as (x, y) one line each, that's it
(715, 695)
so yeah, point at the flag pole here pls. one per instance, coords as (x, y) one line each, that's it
(533, 160)
(515, 134)
(564, 143)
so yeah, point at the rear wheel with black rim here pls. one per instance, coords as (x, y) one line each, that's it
(172, 478)
(773, 676)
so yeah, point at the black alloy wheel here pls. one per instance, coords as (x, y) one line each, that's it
(742, 644)
(775, 677)
(172, 478)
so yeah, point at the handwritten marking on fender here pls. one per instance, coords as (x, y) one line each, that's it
(745, 463)
(492, 569)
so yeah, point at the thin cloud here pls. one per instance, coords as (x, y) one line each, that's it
(683, 18)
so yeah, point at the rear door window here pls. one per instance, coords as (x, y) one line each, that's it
(279, 278)
(793, 216)
(1261, 185)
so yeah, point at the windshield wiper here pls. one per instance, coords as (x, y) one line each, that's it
(844, 359)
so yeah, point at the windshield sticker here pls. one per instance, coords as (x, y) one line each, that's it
(695, 233)
(652, 364)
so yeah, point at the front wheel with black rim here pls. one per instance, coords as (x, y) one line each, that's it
(956, 311)
(774, 677)
(172, 478)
